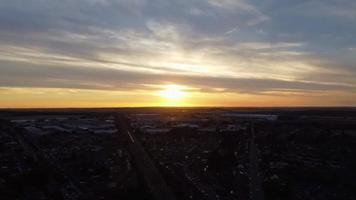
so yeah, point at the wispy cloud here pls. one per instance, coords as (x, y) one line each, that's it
(236, 46)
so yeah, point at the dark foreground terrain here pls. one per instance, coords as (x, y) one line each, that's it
(178, 153)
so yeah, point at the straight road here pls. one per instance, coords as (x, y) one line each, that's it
(153, 178)
(256, 191)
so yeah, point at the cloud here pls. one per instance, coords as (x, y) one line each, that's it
(264, 45)
(14, 74)
(233, 5)
(240, 46)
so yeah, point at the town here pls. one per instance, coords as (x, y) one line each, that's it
(178, 153)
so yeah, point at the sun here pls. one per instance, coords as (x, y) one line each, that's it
(173, 95)
(173, 92)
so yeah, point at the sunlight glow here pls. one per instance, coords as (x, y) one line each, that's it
(172, 92)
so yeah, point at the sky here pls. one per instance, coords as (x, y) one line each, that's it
(127, 53)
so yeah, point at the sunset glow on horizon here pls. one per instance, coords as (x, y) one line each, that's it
(173, 92)
(110, 53)
(173, 95)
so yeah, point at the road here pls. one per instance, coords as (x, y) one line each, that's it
(256, 190)
(153, 178)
